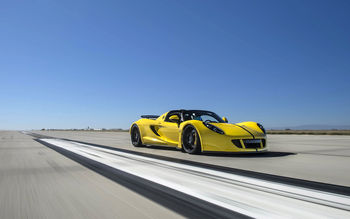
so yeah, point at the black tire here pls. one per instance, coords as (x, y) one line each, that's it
(136, 136)
(191, 142)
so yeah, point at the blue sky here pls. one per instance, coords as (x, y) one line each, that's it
(73, 64)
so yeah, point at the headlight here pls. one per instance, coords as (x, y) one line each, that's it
(262, 128)
(214, 128)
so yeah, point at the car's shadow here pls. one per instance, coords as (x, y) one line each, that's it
(249, 155)
(228, 154)
(162, 148)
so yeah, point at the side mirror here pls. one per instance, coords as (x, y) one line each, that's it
(174, 118)
(225, 119)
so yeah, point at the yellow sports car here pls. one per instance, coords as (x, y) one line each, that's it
(196, 131)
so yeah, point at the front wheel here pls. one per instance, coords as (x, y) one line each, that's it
(135, 136)
(190, 140)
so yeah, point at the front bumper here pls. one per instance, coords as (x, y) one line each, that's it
(237, 144)
(237, 152)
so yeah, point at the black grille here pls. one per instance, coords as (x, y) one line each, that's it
(254, 145)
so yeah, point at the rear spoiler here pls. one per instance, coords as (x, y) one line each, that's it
(149, 116)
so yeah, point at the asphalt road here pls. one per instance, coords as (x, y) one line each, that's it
(42, 181)
(319, 158)
(244, 195)
(37, 182)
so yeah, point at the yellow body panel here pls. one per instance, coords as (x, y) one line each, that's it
(160, 132)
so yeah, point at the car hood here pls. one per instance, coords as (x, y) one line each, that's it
(239, 130)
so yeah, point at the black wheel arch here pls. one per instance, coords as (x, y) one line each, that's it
(199, 136)
(132, 129)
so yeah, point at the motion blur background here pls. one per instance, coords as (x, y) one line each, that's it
(73, 64)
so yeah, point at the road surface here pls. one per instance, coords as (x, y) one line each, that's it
(37, 182)
(59, 174)
(322, 158)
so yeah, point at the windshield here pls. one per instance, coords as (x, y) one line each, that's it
(204, 116)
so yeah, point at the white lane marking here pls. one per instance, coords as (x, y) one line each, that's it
(320, 197)
(249, 196)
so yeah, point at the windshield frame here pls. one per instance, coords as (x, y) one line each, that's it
(204, 112)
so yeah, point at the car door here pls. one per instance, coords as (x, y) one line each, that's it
(169, 130)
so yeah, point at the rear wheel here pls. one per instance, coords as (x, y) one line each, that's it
(135, 136)
(190, 140)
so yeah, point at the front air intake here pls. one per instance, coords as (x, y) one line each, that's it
(237, 143)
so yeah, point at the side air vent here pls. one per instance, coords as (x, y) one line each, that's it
(154, 130)
(237, 143)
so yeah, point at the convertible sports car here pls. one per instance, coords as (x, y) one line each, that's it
(196, 131)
